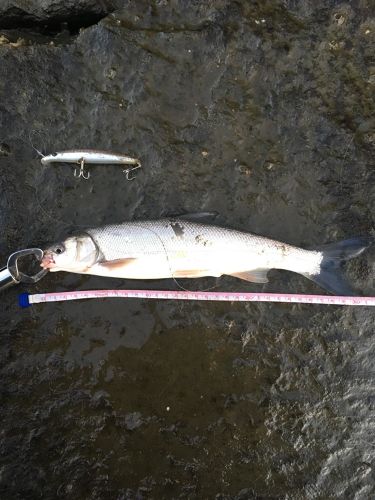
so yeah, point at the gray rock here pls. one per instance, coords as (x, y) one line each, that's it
(133, 420)
(262, 111)
(15, 13)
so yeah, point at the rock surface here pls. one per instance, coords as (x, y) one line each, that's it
(29, 13)
(262, 111)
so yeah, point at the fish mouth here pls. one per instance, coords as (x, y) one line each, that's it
(47, 261)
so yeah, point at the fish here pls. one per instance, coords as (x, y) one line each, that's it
(185, 247)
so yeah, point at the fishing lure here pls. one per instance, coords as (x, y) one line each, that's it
(83, 156)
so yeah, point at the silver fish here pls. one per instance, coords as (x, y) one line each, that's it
(179, 248)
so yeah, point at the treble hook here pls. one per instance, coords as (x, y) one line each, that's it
(128, 170)
(81, 172)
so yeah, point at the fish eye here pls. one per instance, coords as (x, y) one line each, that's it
(59, 249)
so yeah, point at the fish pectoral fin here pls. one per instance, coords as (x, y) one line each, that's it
(118, 263)
(255, 275)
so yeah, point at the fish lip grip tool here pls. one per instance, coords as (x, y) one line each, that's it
(11, 275)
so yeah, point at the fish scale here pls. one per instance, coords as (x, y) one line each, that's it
(159, 237)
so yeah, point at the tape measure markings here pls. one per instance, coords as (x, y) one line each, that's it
(26, 299)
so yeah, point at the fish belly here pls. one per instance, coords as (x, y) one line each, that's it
(154, 267)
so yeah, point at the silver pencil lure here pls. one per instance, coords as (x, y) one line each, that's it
(83, 156)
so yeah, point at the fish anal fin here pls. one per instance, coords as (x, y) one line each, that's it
(117, 264)
(255, 275)
(191, 273)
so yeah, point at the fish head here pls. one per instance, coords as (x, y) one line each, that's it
(75, 254)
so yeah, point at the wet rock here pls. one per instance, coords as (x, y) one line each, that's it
(22, 13)
(100, 400)
(258, 400)
(133, 420)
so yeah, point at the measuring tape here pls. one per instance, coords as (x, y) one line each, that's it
(25, 299)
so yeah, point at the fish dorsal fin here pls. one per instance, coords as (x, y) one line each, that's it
(199, 217)
(255, 275)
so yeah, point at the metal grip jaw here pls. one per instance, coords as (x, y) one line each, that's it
(11, 275)
(7, 279)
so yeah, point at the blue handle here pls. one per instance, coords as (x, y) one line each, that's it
(23, 300)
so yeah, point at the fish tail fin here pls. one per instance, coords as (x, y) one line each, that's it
(330, 276)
